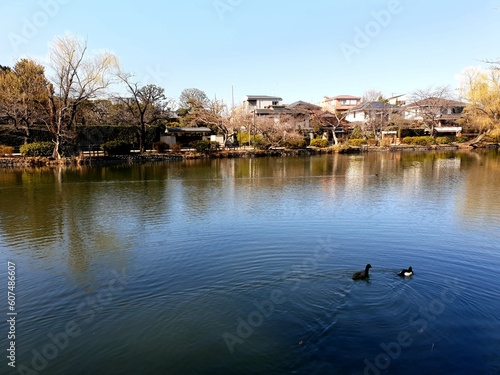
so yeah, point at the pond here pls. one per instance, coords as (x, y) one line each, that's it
(244, 266)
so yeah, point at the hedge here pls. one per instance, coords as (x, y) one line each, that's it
(37, 149)
(319, 142)
(116, 148)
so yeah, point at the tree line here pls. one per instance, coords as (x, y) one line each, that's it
(70, 91)
(74, 90)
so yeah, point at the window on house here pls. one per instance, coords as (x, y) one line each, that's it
(348, 102)
(275, 102)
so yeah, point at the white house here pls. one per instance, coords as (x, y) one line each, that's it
(399, 100)
(434, 109)
(370, 111)
(253, 102)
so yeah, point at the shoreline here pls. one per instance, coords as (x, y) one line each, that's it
(25, 161)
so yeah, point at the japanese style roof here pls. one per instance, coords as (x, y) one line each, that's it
(305, 105)
(266, 97)
(280, 110)
(188, 130)
(435, 102)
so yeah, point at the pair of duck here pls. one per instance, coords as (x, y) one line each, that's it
(363, 275)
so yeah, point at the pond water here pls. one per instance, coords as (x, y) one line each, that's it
(244, 266)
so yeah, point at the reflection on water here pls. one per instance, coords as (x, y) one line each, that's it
(202, 245)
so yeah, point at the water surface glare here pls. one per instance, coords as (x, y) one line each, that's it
(244, 266)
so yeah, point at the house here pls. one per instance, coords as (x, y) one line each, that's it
(184, 136)
(340, 103)
(254, 102)
(328, 121)
(399, 100)
(442, 111)
(441, 114)
(264, 106)
(371, 111)
(298, 117)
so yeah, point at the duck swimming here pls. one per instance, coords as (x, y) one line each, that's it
(362, 275)
(406, 273)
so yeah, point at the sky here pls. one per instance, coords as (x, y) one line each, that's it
(297, 50)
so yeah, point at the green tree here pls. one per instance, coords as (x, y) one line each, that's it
(23, 96)
(193, 95)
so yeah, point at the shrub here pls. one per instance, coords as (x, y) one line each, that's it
(357, 142)
(116, 148)
(6, 150)
(294, 141)
(260, 143)
(205, 146)
(461, 139)
(357, 133)
(407, 140)
(161, 146)
(37, 149)
(443, 140)
(372, 142)
(420, 141)
(242, 138)
(319, 142)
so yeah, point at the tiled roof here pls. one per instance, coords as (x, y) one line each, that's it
(304, 105)
(373, 106)
(436, 102)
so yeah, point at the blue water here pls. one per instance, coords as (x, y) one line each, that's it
(244, 266)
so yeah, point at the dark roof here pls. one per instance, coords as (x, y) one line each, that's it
(305, 105)
(188, 130)
(279, 110)
(256, 97)
(373, 106)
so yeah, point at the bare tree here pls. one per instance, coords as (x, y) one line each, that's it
(428, 104)
(147, 105)
(76, 78)
(372, 96)
(274, 131)
(210, 115)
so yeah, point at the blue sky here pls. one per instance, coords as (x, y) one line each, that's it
(296, 50)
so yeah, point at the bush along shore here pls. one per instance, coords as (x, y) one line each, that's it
(10, 161)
